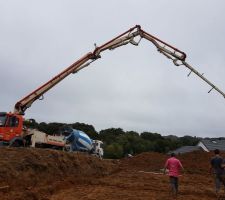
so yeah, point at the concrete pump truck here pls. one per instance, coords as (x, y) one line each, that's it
(12, 131)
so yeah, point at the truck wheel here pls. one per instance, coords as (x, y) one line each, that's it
(67, 148)
(99, 155)
(16, 143)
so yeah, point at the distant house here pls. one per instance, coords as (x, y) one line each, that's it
(205, 145)
(212, 144)
(186, 149)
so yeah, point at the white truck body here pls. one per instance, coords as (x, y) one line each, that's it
(41, 139)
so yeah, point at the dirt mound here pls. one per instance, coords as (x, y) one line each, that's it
(144, 161)
(197, 162)
(23, 169)
(41, 174)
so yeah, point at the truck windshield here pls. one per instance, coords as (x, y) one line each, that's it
(2, 119)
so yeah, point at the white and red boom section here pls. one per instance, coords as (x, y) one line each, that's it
(132, 36)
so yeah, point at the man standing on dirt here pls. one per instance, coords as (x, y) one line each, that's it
(174, 166)
(218, 170)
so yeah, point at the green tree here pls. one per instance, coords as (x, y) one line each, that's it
(161, 146)
(110, 135)
(88, 129)
(31, 123)
(113, 151)
(151, 136)
(188, 140)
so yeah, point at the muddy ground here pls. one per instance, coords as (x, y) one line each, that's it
(41, 174)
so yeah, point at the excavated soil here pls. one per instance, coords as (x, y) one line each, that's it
(41, 174)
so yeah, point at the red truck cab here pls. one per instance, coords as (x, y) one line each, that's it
(11, 126)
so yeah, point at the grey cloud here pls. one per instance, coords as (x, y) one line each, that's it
(134, 88)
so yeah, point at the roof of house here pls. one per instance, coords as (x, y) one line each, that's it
(212, 144)
(186, 149)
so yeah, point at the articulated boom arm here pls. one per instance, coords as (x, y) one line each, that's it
(178, 57)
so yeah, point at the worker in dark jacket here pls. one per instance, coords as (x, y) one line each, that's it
(217, 168)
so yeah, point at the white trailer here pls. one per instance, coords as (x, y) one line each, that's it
(41, 139)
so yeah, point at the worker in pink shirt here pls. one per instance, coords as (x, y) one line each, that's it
(174, 166)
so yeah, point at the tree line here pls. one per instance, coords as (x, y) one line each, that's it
(119, 143)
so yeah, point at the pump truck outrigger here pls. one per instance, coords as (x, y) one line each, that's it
(12, 131)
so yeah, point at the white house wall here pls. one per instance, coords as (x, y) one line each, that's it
(200, 144)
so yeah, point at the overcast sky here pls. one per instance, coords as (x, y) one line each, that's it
(134, 88)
